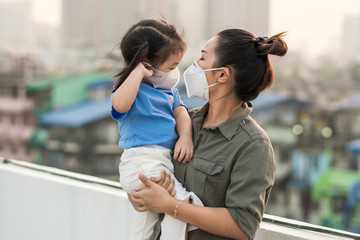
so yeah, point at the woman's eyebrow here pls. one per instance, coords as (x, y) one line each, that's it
(203, 51)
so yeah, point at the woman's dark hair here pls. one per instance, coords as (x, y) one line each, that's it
(247, 58)
(149, 40)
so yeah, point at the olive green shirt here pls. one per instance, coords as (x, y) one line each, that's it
(233, 167)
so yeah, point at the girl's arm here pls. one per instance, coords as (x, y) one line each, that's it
(125, 95)
(217, 221)
(184, 148)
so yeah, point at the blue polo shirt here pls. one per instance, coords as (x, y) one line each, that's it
(150, 120)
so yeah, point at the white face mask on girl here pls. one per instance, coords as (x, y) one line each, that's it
(196, 83)
(165, 80)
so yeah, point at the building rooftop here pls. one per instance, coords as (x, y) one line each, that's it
(79, 114)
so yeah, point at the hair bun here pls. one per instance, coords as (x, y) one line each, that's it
(275, 45)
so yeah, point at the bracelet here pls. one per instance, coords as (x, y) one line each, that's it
(176, 208)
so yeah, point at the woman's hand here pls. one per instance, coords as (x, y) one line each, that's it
(136, 203)
(152, 197)
(184, 149)
(165, 181)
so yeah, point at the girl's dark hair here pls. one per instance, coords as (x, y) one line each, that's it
(248, 60)
(149, 40)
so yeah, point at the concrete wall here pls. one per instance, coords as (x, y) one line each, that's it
(36, 205)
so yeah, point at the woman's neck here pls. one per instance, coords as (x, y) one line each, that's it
(221, 109)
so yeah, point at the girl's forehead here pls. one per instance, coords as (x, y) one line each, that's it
(175, 58)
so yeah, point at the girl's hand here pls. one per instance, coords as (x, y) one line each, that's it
(152, 198)
(144, 69)
(184, 149)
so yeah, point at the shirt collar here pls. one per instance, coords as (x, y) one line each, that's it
(229, 126)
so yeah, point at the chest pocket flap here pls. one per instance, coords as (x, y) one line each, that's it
(208, 167)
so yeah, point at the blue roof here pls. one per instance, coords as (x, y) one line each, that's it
(264, 101)
(353, 146)
(78, 115)
(268, 100)
(103, 83)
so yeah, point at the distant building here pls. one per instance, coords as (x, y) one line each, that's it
(199, 20)
(101, 24)
(350, 37)
(75, 130)
(251, 15)
(16, 25)
(46, 36)
(17, 121)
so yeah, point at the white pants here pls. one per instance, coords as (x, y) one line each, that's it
(151, 160)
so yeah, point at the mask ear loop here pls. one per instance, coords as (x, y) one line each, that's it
(214, 69)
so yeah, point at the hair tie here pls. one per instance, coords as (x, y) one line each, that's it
(146, 43)
(260, 39)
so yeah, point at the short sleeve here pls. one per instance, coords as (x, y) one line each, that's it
(115, 114)
(251, 181)
(177, 99)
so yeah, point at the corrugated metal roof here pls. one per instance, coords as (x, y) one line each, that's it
(78, 115)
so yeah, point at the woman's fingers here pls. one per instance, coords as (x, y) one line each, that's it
(167, 181)
(173, 193)
(171, 189)
(137, 204)
(162, 177)
(155, 179)
(145, 180)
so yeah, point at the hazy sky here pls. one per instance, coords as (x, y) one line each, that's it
(312, 25)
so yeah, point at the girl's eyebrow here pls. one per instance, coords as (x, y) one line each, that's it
(174, 64)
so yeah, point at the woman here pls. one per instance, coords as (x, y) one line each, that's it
(233, 167)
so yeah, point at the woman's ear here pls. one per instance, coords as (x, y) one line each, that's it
(224, 75)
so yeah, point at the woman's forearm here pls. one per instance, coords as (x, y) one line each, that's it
(217, 221)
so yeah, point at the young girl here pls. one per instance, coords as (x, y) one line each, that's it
(151, 117)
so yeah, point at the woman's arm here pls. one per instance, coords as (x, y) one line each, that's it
(125, 95)
(184, 147)
(217, 221)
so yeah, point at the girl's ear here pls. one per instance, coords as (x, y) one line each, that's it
(224, 75)
(146, 64)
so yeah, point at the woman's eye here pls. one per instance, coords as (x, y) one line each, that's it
(201, 59)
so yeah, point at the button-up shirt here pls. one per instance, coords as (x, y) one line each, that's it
(233, 167)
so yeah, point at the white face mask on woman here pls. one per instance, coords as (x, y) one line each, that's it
(196, 83)
(165, 80)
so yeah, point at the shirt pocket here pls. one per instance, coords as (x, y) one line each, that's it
(211, 179)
